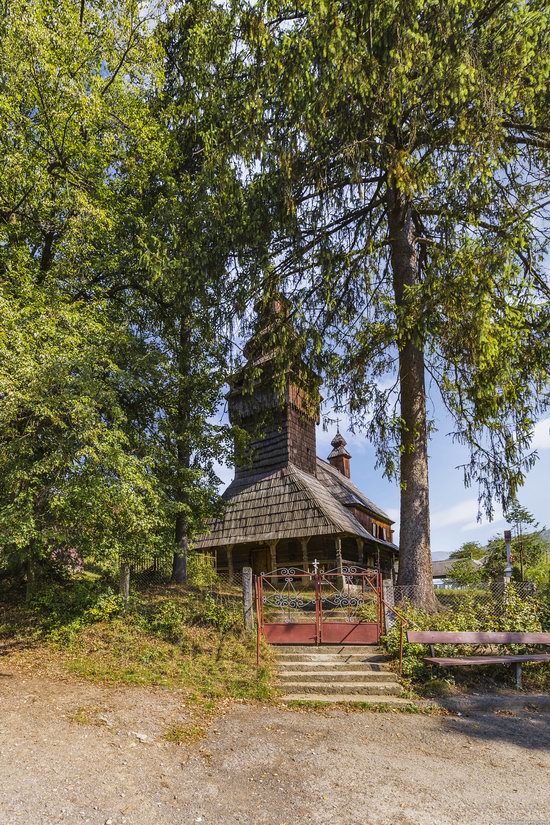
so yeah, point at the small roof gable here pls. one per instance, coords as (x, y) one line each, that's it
(286, 503)
(345, 490)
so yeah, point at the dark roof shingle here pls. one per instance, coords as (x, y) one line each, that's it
(285, 503)
(345, 490)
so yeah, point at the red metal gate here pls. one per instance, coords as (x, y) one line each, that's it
(341, 606)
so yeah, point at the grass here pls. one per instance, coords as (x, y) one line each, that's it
(171, 638)
(86, 715)
(373, 707)
(202, 662)
(188, 734)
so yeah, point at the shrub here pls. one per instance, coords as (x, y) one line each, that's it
(216, 614)
(168, 620)
(59, 603)
(468, 613)
(201, 571)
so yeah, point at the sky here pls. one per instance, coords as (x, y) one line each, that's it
(453, 507)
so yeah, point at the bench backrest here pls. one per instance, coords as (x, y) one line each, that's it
(447, 637)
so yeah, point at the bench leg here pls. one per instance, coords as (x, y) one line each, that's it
(518, 675)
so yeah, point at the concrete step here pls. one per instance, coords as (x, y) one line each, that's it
(281, 653)
(330, 649)
(344, 687)
(336, 662)
(325, 667)
(352, 698)
(367, 677)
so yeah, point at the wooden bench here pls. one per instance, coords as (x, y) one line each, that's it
(433, 637)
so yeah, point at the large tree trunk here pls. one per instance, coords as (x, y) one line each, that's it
(183, 452)
(415, 563)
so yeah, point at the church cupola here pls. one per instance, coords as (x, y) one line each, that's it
(339, 458)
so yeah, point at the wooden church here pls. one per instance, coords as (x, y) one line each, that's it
(286, 506)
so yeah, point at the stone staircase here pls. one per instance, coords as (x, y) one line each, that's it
(336, 673)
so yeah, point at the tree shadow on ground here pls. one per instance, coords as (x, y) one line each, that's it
(525, 728)
(16, 645)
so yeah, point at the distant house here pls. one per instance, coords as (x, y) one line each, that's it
(442, 570)
(286, 507)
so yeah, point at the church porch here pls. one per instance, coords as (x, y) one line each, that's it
(300, 553)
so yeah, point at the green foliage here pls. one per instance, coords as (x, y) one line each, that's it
(201, 571)
(530, 553)
(469, 550)
(177, 266)
(215, 613)
(171, 638)
(63, 610)
(69, 478)
(465, 573)
(115, 230)
(393, 198)
(471, 611)
(73, 128)
(168, 620)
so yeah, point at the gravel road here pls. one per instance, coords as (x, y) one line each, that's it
(79, 753)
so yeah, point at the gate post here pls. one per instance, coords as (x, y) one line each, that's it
(247, 600)
(389, 599)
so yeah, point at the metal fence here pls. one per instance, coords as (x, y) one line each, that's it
(494, 593)
(152, 571)
(147, 571)
(485, 604)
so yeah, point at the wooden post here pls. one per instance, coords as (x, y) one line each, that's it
(273, 558)
(247, 600)
(389, 599)
(230, 568)
(518, 675)
(273, 554)
(305, 562)
(360, 550)
(124, 581)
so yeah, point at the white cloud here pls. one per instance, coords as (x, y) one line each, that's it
(464, 515)
(458, 513)
(474, 524)
(541, 435)
(479, 525)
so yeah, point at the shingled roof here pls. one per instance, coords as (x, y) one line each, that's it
(288, 503)
(442, 568)
(345, 490)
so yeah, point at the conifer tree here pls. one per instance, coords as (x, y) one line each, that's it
(404, 170)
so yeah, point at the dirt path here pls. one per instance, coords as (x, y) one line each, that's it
(78, 753)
